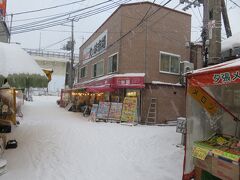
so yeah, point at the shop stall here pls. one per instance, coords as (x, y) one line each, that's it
(8, 105)
(212, 148)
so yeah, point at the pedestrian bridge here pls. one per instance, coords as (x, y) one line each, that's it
(51, 55)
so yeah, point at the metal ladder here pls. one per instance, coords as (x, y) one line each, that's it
(152, 112)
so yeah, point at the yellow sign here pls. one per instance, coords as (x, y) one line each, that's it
(199, 153)
(129, 110)
(221, 141)
(48, 74)
(203, 98)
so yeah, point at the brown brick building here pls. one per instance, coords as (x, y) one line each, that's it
(145, 50)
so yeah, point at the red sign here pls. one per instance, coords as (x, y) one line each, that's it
(216, 78)
(3, 4)
(128, 82)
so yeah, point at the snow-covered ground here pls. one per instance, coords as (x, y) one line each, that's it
(54, 144)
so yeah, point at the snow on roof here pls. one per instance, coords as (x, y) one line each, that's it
(14, 60)
(165, 83)
(228, 64)
(231, 42)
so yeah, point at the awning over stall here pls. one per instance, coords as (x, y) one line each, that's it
(224, 73)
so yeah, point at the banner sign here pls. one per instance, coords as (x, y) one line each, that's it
(129, 112)
(203, 98)
(217, 78)
(95, 48)
(115, 111)
(103, 110)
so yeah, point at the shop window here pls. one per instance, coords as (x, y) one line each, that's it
(113, 63)
(98, 69)
(169, 63)
(83, 72)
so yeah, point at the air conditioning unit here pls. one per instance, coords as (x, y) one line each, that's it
(185, 67)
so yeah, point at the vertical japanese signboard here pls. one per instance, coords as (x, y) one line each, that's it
(129, 111)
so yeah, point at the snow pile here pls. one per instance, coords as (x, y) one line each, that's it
(54, 144)
(14, 60)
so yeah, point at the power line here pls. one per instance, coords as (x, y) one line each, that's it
(44, 9)
(235, 3)
(59, 16)
(131, 30)
(29, 27)
(55, 43)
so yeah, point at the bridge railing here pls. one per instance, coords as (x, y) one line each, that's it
(37, 52)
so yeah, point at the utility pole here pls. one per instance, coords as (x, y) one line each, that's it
(72, 57)
(10, 29)
(225, 19)
(205, 32)
(214, 27)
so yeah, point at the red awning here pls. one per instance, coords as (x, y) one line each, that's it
(112, 82)
(99, 89)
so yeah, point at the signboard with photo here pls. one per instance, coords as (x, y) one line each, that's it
(129, 110)
(103, 110)
(115, 111)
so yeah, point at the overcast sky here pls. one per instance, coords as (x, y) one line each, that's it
(85, 27)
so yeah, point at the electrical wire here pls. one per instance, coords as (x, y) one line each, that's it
(131, 30)
(44, 9)
(58, 42)
(59, 16)
(234, 3)
(63, 21)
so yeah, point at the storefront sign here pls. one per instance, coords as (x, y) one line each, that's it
(129, 112)
(128, 82)
(203, 98)
(95, 48)
(199, 153)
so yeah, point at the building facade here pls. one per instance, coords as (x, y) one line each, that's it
(138, 49)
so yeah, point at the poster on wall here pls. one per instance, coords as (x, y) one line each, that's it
(94, 112)
(129, 110)
(115, 111)
(103, 110)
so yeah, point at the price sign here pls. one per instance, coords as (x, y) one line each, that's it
(227, 155)
(200, 153)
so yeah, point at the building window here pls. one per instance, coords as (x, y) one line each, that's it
(83, 72)
(98, 69)
(113, 63)
(169, 63)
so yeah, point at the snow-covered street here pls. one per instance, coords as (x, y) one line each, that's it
(54, 144)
